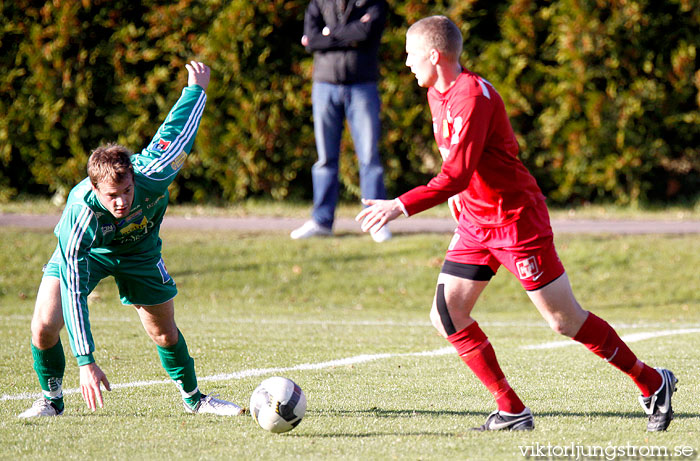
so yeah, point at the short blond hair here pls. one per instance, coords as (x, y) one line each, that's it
(111, 162)
(440, 33)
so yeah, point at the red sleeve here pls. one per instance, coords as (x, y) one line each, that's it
(466, 144)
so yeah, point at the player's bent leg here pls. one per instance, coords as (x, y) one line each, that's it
(656, 385)
(454, 300)
(159, 323)
(47, 350)
(559, 307)
(47, 319)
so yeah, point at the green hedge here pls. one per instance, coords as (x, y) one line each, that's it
(604, 96)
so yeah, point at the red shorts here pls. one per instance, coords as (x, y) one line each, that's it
(525, 247)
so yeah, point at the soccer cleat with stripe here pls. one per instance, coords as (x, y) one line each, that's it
(503, 421)
(211, 405)
(40, 407)
(658, 405)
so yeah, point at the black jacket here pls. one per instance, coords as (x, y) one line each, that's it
(349, 53)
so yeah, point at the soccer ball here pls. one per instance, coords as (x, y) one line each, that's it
(278, 404)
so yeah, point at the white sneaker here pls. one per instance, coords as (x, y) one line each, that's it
(210, 404)
(381, 235)
(310, 229)
(40, 407)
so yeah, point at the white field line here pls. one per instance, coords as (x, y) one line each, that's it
(631, 338)
(368, 323)
(364, 358)
(258, 371)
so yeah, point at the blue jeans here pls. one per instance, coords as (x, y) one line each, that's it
(332, 104)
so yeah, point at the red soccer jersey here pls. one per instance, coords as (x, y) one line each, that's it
(480, 156)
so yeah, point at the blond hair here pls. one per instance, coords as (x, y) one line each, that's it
(440, 33)
(110, 162)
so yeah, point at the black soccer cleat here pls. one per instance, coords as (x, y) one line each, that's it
(502, 421)
(658, 405)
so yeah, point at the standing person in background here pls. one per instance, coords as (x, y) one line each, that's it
(344, 36)
(110, 227)
(502, 220)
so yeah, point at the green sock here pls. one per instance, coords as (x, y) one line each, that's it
(180, 367)
(50, 364)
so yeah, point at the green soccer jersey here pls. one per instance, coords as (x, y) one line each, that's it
(86, 227)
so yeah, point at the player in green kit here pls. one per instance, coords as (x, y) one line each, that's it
(109, 227)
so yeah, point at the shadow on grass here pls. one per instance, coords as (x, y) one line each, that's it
(407, 413)
(476, 417)
(381, 413)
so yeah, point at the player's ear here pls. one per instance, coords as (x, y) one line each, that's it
(434, 56)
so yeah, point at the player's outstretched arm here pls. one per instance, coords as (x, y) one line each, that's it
(199, 74)
(166, 153)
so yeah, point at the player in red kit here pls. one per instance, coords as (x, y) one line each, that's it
(502, 220)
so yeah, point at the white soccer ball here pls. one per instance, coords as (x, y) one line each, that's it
(278, 404)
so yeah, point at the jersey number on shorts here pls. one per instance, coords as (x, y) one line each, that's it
(163, 271)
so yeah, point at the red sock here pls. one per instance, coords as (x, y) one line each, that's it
(476, 351)
(601, 339)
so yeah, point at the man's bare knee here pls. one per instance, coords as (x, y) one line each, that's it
(561, 326)
(47, 320)
(557, 304)
(164, 338)
(159, 323)
(45, 334)
(567, 324)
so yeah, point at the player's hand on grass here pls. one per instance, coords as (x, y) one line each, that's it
(90, 378)
(199, 74)
(378, 213)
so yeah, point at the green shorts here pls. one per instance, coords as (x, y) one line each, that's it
(142, 279)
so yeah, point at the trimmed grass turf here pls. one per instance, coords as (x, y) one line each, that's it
(261, 301)
(348, 209)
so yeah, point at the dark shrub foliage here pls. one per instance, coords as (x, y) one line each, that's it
(604, 95)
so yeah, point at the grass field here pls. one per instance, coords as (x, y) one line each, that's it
(291, 209)
(347, 320)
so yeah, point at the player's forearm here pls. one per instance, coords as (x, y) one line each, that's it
(74, 279)
(185, 116)
(422, 198)
(78, 327)
(165, 155)
(81, 344)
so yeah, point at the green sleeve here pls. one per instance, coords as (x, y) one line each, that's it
(76, 234)
(162, 159)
